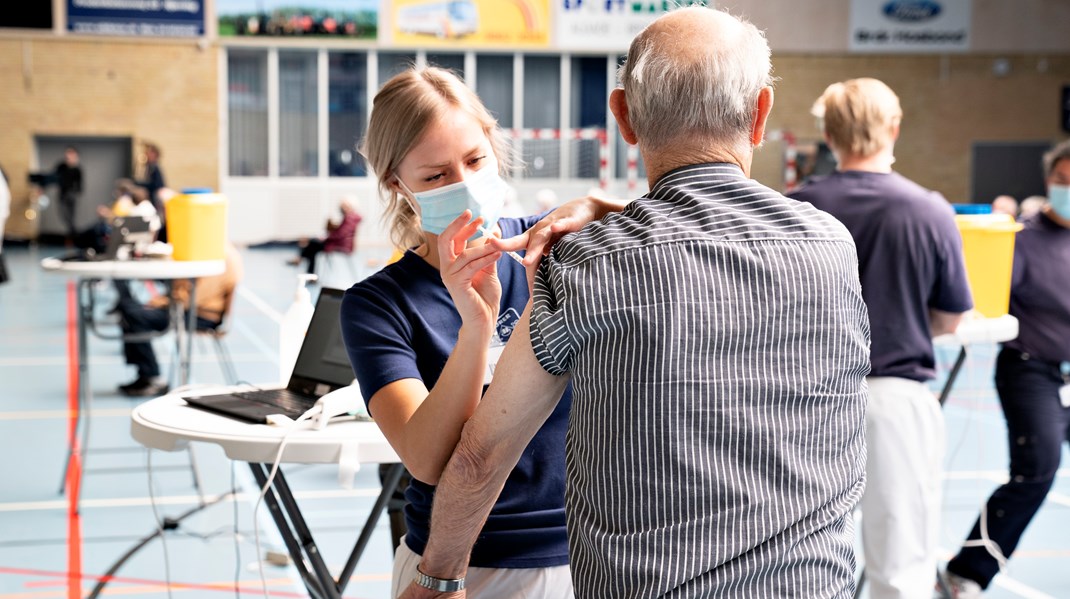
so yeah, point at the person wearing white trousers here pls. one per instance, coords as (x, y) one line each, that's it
(914, 284)
(905, 446)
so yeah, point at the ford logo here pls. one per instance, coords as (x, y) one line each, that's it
(912, 11)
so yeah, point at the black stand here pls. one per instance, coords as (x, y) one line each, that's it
(298, 538)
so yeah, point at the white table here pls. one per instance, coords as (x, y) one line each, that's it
(85, 272)
(169, 424)
(973, 331)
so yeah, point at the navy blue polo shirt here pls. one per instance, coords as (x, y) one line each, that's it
(909, 259)
(401, 323)
(1040, 289)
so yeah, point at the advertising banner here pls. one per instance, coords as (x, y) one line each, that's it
(910, 26)
(294, 18)
(152, 18)
(606, 25)
(471, 23)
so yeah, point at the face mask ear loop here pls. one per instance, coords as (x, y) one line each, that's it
(408, 195)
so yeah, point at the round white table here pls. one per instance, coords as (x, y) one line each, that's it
(85, 272)
(168, 423)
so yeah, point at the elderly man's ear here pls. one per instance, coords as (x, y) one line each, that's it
(761, 116)
(618, 105)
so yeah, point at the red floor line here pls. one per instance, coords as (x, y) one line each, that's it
(221, 587)
(74, 466)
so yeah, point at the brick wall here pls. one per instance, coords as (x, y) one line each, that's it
(164, 92)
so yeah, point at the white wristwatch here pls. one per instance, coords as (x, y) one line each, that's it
(442, 585)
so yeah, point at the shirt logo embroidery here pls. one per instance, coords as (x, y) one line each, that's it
(506, 323)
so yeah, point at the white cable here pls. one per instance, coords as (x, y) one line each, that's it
(295, 425)
(159, 528)
(237, 540)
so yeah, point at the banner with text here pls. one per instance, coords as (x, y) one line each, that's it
(607, 25)
(153, 18)
(910, 26)
(471, 23)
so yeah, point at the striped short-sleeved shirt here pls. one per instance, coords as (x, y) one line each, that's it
(718, 345)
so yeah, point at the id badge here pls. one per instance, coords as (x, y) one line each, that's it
(494, 352)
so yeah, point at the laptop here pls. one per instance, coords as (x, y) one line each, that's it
(322, 366)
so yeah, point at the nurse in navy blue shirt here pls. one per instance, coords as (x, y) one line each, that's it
(1033, 382)
(424, 333)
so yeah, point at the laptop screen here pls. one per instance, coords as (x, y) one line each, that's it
(323, 357)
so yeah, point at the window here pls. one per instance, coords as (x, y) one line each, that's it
(247, 109)
(494, 84)
(298, 155)
(542, 109)
(347, 112)
(451, 62)
(392, 63)
(587, 111)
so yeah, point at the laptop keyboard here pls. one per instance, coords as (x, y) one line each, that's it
(280, 398)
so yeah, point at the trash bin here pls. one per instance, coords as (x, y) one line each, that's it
(988, 246)
(197, 225)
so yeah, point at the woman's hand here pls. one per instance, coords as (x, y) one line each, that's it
(470, 273)
(567, 218)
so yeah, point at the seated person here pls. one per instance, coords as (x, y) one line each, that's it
(340, 237)
(213, 294)
(130, 200)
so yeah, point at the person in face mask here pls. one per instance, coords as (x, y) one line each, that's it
(1033, 382)
(423, 334)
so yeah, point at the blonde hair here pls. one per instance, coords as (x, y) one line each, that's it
(402, 110)
(859, 116)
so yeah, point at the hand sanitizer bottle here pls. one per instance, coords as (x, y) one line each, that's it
(294, 326)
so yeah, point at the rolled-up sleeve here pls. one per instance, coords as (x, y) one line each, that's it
(551, 337)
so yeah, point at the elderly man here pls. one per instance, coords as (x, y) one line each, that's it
(717, 342)
(914, 283)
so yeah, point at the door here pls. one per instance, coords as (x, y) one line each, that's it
(103, 160)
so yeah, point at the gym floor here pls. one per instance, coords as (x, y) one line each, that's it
(213, 549)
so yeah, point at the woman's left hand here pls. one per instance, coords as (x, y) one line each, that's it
(567, 218)
(470, 273)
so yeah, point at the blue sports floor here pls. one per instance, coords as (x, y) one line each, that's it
(212, 552)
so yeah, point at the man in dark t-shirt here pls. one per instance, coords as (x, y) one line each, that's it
(914, 285)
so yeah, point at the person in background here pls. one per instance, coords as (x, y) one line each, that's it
(341, 237)
(68, 175)
(1033, 383)
(717, 343)
(213, 300)
(1005, 204)
(127, 199)
(423, 333)
(153, 182)
(1031, 206)
(914, 283)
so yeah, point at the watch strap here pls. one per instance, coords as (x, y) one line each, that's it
(442, 585)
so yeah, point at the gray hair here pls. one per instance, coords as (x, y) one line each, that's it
(1054, 155)
(674, 91)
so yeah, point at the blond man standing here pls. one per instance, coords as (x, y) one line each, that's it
(914, 285)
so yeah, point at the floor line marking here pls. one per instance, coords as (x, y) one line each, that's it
(259, 304)
(123, 502)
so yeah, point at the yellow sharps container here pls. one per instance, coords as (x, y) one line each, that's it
(197, 225)
(988, 246)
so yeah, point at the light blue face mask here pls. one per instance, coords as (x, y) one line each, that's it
(483, 192)
(1059, 200)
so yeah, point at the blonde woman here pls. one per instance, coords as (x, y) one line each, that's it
(423, 334)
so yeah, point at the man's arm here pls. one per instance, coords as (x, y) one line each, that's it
(943, 323)
(519, 400)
